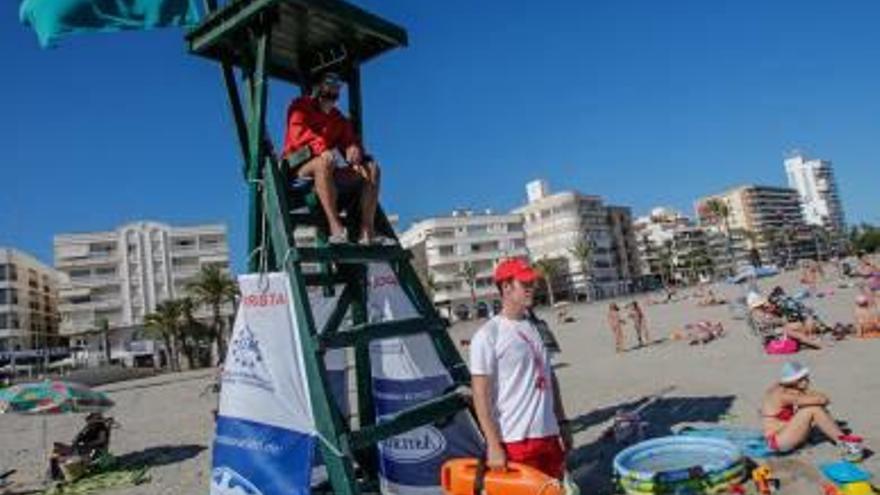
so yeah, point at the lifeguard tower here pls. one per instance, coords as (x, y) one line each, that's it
(291, 41)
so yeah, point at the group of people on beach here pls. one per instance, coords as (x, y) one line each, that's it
(516, 395)
(636, 316)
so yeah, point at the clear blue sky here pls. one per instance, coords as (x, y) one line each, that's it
(644, 102)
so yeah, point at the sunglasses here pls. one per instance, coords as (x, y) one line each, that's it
(327, 95)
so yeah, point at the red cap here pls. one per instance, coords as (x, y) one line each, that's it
(517, 268)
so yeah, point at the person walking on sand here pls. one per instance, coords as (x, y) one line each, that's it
(791, 409)
(637, 316)
(616, 324)
(516, 395)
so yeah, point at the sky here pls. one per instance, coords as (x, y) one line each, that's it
(645, 103)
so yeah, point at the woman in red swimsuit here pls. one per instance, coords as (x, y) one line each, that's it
(791, 410)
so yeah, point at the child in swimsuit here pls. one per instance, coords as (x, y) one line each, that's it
(791, 410)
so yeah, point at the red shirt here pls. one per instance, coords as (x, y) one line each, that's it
(308, 126)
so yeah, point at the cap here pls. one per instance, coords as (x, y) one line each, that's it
(755, 300)
(517, 268)
(792, 371)
(862, 300)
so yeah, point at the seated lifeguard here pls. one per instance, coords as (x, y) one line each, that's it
(338, 158)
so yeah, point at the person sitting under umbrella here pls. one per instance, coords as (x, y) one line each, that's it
(92, 441)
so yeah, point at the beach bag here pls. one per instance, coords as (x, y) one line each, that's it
(782, 345)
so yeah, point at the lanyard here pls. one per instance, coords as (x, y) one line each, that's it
(538, 360)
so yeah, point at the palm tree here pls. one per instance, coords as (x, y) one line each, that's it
(191, 334)
(583, 252)
(666, 260)
(165, 323)
(469, 273)
(719, 209)
(548, 270)
(772, 237)
(104, 326)
(213, 288)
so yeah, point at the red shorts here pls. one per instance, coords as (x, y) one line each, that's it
(544, 454)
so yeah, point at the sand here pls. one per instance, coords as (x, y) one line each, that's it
(167, 423)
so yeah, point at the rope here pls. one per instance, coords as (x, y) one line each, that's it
(329, 445)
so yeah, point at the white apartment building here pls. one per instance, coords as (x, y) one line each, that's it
(820, 200)
(556, 223)
(28, 302)
(120, 276)
(447, 251)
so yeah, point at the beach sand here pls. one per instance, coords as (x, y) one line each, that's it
(167, 423)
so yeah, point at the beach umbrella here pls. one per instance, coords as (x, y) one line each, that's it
(52, 397)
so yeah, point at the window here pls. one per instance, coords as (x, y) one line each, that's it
(101, 248)
(105, 271)
(8, 272)
(8, 320)
(477, 229)
(9, 296)
(80, 299)
(447, 250)
(82, 273)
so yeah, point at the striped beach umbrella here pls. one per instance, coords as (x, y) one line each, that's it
(52, 397)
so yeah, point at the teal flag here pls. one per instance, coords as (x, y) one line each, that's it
(54, 19)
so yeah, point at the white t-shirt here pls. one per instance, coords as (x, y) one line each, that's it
(512, 354)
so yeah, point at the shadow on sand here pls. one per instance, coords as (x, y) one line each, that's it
(591, 464)
(160, 456)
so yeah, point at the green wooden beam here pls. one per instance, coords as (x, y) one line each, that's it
(328, 420)
(352, 254)
(342, 304)
(233, 17)
(363, 334)
(425, 413)
(238, 116)
(239, 14)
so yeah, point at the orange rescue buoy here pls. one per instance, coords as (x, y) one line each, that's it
(458, 477)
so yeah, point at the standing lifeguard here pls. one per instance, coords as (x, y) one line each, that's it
(516, 394)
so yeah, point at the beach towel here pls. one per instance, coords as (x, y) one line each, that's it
(54, 19)
(750, 442)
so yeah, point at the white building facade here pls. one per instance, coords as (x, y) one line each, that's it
(456, 256)
(116, 278)
(28, 302)
(814, 181)
(555, 224)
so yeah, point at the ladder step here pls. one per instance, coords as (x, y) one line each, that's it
(352, 253)
(425, 413)
(376, 331)
(322, 280)
(306, 218)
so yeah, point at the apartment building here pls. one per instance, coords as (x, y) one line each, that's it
(117, 277)
(768, 217)
(28, 302)
(557, 224)
(455, 257)
(814, 181)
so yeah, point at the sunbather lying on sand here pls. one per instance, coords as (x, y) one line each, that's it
(701, 332)
(768, 322)
(710, 299)
(791, 409)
